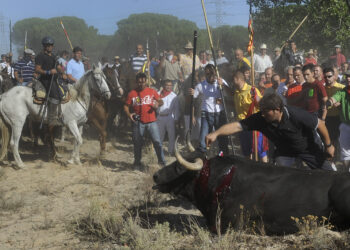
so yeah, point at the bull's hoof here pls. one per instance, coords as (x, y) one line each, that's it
(20, 166)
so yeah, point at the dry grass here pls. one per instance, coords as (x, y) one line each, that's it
(13, 203)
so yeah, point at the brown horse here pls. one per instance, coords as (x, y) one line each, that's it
(102, 110)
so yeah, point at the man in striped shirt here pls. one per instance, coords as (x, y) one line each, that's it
(24, 69)
(138, 59)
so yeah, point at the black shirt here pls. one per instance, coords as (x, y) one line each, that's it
(47, 63)
(295, 134)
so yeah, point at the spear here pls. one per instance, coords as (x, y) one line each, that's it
(295, 31)
(10, 37)
(65, 32)
(216, 68)
(25, 40)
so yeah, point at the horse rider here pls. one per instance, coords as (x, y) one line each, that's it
(24, 69)
(46, 65)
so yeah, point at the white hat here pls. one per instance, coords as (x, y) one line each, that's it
(189, 45)
(337, 46)
(29, 51)
(263, 46)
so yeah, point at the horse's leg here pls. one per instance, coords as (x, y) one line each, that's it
(73, 127)
(14, 142)
(101, 127)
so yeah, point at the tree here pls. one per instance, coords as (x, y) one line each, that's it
(327, 24)
(79, 32)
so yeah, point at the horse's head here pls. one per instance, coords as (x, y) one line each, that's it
(111, 74)
(99, 84)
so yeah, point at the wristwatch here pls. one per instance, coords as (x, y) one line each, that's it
(328, 145)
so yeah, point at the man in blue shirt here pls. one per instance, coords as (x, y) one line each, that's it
(75, 67)
(24, 69)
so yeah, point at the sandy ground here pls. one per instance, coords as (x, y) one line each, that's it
(40, 205)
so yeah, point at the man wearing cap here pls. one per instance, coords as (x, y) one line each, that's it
(338, 57)
(342, 99)
(262, 61)
(75, 67)
(24, 69)
(186, 61)
(46, 65)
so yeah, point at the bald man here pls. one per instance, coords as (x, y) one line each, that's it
(242, 62)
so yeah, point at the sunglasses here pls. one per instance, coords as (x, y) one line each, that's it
(329, 76)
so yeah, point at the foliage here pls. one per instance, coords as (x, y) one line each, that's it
(79, 33)
(327, 24)
(162, 31)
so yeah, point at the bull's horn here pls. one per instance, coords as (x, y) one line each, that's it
(188, 141)
(197, 165)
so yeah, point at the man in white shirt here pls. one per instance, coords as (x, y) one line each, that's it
(212, 114)
(262, 61)
(168, 114)
(75, 67)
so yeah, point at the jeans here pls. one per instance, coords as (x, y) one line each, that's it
(137, 138)
(208, 122)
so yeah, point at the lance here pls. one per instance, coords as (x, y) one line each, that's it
(188, 135)
(25, 40)
(10, 37)
(295, 31)
(65, 32)
(216, 68)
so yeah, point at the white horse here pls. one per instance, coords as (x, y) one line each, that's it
(17, 103)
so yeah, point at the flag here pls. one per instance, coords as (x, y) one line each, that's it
(251, 34)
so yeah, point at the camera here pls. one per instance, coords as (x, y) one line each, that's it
(136, 117)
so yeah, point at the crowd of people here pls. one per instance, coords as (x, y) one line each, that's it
(288, 109)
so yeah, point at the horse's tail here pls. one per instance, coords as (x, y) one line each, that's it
(5, 138)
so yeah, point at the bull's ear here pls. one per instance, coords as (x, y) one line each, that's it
(100, 65)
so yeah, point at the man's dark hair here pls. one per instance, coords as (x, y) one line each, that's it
(140, 75)
(210, 67)
(77, 49)
(166, 81)
(328, 69)
(64, 52)
(309, 66)
(274, 75)
(271, 102)
(297, 69)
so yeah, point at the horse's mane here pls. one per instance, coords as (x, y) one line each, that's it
(79, 88)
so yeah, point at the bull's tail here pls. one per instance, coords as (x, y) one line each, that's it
(5, 138)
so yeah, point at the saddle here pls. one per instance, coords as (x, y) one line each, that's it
(39, 93)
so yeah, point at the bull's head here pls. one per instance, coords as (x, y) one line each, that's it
(176, 176)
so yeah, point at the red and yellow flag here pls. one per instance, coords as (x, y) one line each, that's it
(251, 34)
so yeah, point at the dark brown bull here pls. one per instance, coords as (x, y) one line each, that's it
(268, 194)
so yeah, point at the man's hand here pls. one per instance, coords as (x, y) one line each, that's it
(131, 117)
(210, 138)
(191, 91)
(220, 82)
(155, 105)
(53, 71)
(194, 121)
(330, 151)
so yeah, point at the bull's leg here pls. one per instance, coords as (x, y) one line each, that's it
(14, 143)
(73, 127)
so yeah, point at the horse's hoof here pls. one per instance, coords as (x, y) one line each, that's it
(70, 161)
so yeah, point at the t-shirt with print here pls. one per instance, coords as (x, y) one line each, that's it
(313, 94)
(142, 102)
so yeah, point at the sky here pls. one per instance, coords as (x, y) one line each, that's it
(104, 14)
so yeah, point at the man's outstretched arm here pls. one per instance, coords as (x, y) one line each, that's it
(227, 129)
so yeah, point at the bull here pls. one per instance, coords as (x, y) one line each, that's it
(222, 186)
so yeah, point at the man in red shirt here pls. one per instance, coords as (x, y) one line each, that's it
(338, 57)
(294, 92)
(315, 95)
(144, 102)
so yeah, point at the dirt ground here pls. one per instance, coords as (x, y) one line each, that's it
(43, 206)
